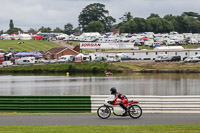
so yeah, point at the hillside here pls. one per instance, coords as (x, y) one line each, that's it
(26, 45)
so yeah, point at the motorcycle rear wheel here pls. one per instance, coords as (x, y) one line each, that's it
(135, 111)
(103, 112)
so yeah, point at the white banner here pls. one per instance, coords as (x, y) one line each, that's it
(97, 45)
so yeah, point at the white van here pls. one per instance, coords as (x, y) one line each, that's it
(112, 58)
(161, 58)
(192, 59)
(25, 61)
(66, 58)
(7, 63)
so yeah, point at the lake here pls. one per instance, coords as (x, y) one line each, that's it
(166, 84)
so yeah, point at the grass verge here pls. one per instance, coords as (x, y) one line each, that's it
(102, 129)
(89, 67)
(175, 67)
(27, 45)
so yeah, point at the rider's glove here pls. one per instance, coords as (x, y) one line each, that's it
(110, 102)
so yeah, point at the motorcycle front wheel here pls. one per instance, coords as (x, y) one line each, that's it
(103, 112)
(135, 111)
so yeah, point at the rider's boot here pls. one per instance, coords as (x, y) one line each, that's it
(125, 109)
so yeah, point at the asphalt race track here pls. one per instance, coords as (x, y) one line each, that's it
(92, 119)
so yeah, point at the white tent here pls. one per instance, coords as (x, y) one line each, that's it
(91, 34)
(62, 36)
(23, 37)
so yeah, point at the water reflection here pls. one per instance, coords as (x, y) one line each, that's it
(135, 84)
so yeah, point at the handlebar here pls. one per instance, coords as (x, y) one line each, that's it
(110, 102)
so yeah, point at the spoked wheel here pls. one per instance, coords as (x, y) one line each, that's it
(103, 112)
(135, 111)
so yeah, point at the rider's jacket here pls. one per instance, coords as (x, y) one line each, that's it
(120, 96)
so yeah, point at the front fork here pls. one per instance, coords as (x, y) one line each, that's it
(110, 107)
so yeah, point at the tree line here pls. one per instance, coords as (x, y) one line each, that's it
(95, 18)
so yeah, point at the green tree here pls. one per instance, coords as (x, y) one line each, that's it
(95, 12)
(167, 26)
(31, 30)
(153, 15)
(57, 30)
(172, 21)
(183, 24)
(11, 25)
(1, 32)
(154, 25)
(109, 21)
(141, 24)
(68, 29)
(77, 30)
(128, 27)
(190, 14)
(13, 30)
(95, 26)
(45, 30)
(169, 17)
(195, 26)
(126, 17)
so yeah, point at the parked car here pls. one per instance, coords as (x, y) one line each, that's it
(43, 61)
(53, 61)
(125, 58)
(7, 63)
(174, 58)
(86, 59)
(192, 59)
(112, 58)
(66, 58)
(99, 59)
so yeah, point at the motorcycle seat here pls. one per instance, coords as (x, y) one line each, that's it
(130, 101)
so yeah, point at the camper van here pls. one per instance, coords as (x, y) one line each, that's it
(66, 58)
(25, 61)
(82, 58)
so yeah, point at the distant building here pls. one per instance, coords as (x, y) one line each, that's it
(55, 53)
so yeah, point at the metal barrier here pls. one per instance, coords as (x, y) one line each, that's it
(157, 104)
(72, 104)
(82, 104)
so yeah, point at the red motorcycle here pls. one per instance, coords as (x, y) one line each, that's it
(133, 109)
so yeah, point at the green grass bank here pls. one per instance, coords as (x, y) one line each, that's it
(101, 67)
(28, 45)
(102, 129)
(89, 67)
(158, 67)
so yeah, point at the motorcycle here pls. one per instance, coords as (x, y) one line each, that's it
(133, 109)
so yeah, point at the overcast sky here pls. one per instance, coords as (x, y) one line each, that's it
(28, 14)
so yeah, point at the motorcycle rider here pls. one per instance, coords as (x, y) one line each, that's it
(123, 98)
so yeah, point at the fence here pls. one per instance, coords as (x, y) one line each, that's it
(158, 104)
(74, 104)
(82, 104)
